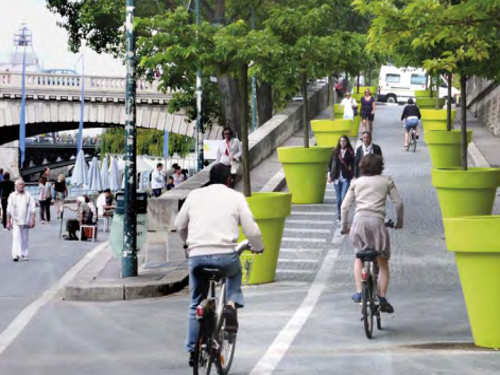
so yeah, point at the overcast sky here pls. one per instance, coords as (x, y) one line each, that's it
(50, 42)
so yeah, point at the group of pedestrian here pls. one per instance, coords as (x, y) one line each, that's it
(158, 182)
(367, 112)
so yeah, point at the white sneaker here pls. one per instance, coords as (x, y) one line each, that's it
(25, 257)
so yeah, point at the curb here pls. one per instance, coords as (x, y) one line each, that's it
(84, 288)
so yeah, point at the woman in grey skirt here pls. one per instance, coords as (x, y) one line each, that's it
(368, 230)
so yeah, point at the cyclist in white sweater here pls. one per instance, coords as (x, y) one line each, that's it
(209, 224)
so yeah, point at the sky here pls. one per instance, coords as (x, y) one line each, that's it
(50, 42)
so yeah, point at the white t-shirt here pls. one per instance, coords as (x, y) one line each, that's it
(347, 104)
(21, 207)
(100, 203)
(157, 179)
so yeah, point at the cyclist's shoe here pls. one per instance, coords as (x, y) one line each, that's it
(356, 297)
(385, 306)
(416, 136)
(231, 318)
(191, 359)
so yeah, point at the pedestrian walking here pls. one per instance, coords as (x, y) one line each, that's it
(46, 173)
(360, 79)
(44, 198)
(229, 154)
(178, 176)
(341, 169)
(157, 180)
(21, 211)
(6, 189)
(350, 106)
(368, 110)
(367, 147)
(60, 193)
(410, 117)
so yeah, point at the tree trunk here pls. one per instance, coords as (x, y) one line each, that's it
(463, 88)
(264, 102)
(247, 188)
(306, 110)
(448, 105)
(437, 90)
(357, 83)
(430, 85)
(230, 102)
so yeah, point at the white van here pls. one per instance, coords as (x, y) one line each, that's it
(397, 85)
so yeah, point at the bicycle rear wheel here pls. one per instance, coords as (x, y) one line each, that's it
(413, 141)
(225, 355)
(367, 307)
(202, 352)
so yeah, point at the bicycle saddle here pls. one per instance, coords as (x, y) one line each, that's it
(212, 273)
(367, 255)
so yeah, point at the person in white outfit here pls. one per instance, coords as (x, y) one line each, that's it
(157, 180)
(350, 106)
(21, 212)
(229, 154)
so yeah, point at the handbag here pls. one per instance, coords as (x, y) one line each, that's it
(235, 167)
(354, 109)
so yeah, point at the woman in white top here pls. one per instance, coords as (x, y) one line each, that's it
(44, 198)
(350, 105)
(229, 154)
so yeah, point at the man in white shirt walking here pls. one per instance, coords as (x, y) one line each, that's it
(350, 107)
(157, 180)
(21, 212)
(209, 224)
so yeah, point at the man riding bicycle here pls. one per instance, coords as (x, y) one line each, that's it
(410, 116)
(209, 224)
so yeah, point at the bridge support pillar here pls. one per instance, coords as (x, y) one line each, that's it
(9, 158)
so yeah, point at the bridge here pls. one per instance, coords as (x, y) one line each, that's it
(53, 103)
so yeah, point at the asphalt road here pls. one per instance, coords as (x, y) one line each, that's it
(303, 323)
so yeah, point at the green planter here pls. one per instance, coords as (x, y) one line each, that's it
(445, 147)
(436, 119)
(429, 102)
(358, 97)
(328, 132)
(466, 193)
(476, 244)
(270, 211)
(337, 111)
(362, 89)
(305, 171)
(355, 126)
(422, 94)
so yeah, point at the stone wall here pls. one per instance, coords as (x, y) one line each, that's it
(483, 99)
(9, 158)
(262, 143)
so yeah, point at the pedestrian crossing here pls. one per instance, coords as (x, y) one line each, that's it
(308, 234)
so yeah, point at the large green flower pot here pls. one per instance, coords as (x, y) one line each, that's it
(358, 97)
(338, 112)
(328, 132)
(429, 102)
(305, 171)
(476, 244)
(422, 94)
(270, 211)
(445, 147)
(436, 119)
(466, 193)
(362, 89)
(355, 126)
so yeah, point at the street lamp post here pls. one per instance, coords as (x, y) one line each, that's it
(199, 126)
(129, 253)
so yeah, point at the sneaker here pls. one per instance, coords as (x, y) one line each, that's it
(231, 318)
(385, 306)
(15, 259)
(25, 257)
(356, 297)
(43, 221)
(416, 136)
(191, 359)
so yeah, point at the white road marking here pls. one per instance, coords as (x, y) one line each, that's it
(268, 363)
(306, 230)
(300, 239)
(300, 221)
(326, 213)
(298, 260)
(287, 250)
(15, 328)
(316, 205)
(337, 237)
(280, 270)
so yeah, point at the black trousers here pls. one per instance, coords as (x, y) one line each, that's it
(45, 209)
(72, 225)
(4, 212)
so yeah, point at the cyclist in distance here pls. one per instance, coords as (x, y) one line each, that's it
(410, 116)
(368, 230)
(209, 225)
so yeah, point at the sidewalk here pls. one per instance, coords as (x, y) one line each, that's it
(162, 263)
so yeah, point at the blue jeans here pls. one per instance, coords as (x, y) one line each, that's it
(199, 284)
(340, 192)
(412, 123)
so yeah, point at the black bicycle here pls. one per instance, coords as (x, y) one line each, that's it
(215, 345)
(370, 305)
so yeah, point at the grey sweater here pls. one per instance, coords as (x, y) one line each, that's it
(370, 194)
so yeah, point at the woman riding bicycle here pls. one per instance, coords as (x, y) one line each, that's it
(368, 230)
(410, 117)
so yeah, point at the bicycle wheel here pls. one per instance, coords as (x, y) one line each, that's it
(413, 141)
(367, 308)
(202, 353)
(227, 347)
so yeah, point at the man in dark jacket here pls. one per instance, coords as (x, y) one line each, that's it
(366, 148)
